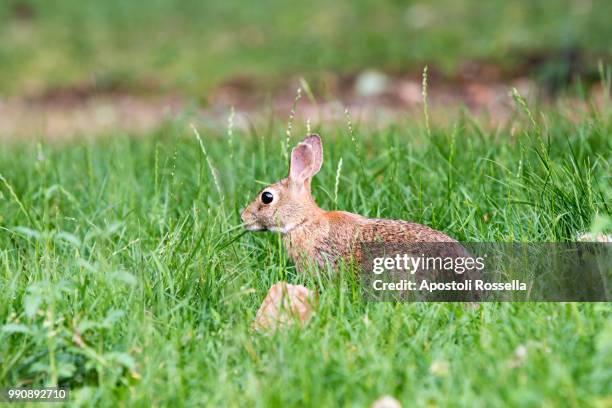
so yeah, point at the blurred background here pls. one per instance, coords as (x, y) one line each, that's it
(74, 66)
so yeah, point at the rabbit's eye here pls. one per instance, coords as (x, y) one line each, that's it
(266, 197)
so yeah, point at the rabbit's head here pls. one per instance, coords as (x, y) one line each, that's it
(288, 203)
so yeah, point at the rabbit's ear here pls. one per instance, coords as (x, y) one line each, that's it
(314, 141)
(306, 159)
(302, 159)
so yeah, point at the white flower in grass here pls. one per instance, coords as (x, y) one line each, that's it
(592, 237)
(386, 401)
(520, 355)
(439, 368)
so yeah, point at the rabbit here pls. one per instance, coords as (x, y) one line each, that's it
(311, 234)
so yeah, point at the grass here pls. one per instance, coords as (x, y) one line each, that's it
(192, 46)
(124, 274)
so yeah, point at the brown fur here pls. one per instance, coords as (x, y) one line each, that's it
(312, 234)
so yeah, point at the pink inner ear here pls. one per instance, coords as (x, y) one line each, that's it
(301, 163)
(314, 141)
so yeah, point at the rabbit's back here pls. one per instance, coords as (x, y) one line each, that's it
(336, 236)
(398, 231)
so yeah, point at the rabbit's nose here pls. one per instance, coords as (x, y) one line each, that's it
(243, 214)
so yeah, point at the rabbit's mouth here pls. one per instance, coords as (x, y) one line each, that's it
(254, 226)
(250, 222)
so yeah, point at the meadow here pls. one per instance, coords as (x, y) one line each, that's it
(125, 274)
